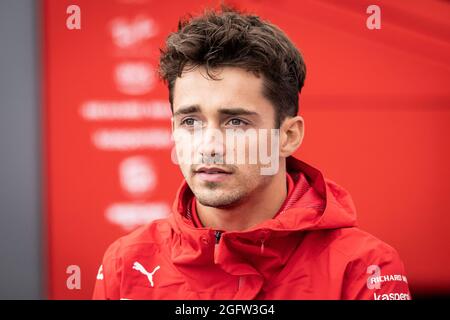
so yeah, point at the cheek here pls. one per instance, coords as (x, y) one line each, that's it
(254, 147)
(249, 175)
(242, 149)
(184, 154)
(268, 142)
(185, 170)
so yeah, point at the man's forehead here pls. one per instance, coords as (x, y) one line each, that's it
(235, 88)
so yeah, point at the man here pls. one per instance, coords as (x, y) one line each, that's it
(270, 228)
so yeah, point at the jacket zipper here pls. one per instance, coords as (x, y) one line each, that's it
(218, 234)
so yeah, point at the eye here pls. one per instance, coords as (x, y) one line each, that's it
(237, 122)
(190, 122)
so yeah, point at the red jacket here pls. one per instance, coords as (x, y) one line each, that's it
(312, 249)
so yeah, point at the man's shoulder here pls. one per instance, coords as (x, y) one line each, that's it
(148, 237)
(370, 264)
(357, 244)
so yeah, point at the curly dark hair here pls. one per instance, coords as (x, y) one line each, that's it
(229, 37)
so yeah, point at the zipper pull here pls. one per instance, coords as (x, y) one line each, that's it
(218, 234)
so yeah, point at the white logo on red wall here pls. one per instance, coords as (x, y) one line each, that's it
(135, 78)
(137, 176)
(131, 215)
(127, 33)
(138, 179)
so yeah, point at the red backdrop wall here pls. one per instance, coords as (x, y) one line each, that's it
(376, 105)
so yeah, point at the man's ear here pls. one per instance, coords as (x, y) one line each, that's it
(292, 131)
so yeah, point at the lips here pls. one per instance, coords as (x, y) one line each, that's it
(212, 170)
(212, 174)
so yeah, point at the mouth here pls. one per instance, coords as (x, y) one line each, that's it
(212, 174)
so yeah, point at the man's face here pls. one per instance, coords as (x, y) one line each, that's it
(204, 108)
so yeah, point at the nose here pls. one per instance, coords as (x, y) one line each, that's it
(211, 144)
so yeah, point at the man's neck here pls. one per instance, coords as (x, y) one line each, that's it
(257, 208)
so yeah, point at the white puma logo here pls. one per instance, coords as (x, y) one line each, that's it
(137, 266)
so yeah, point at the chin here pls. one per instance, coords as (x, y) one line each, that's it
(219, 198)
(217, 203)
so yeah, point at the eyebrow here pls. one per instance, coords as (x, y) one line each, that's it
(226, 111)
(238, 112)
(187, 110)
